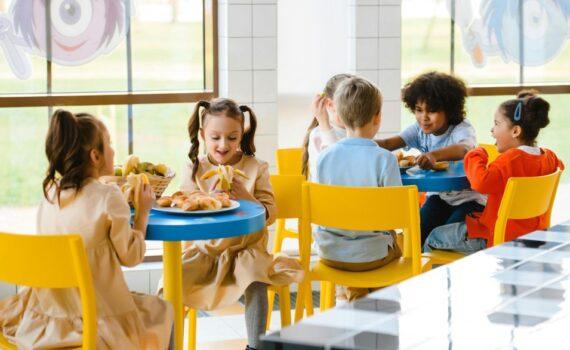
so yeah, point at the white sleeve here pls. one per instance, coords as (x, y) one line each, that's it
(328, 138)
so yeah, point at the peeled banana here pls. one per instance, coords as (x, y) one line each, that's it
(225, 175)
(132, 188)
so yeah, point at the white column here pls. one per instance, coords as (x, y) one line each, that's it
(374, 45)
(247, 32)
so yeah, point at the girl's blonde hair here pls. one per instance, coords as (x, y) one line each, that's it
(220, 107)
(329, 91)
(69, 141)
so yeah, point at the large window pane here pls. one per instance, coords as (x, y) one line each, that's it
(168, 45)
(555, 71)
(426, 37)
(161, 136)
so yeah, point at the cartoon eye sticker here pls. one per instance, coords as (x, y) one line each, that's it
(71, 17)
(81, 31)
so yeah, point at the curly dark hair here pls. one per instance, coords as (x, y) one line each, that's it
(440, 92)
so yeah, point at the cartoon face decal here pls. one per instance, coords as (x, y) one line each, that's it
(80, 31)
(77, 29)
(495, 30)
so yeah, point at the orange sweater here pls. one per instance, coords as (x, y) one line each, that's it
(492, 180)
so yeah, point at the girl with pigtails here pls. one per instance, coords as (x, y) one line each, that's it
(79, 152)
(216, 273)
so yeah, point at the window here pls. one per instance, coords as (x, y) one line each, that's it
(138, 64)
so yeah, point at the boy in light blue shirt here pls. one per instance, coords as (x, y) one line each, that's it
(357, 161)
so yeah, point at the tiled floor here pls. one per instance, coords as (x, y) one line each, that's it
(225, 329)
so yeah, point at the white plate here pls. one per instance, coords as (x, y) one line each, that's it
(178, 211)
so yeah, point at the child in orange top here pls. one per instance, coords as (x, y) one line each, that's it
(517, 123)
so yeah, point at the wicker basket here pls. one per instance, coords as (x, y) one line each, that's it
(157, 183)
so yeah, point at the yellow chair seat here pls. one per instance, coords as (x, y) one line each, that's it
(394, 272)
(441, 257)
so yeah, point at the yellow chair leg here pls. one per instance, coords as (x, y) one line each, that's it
(279, 229)
(191, 330)
(331, 295)
(285, 306)
(308, 295)
(300, 304)
(324, 296)
(270, 302)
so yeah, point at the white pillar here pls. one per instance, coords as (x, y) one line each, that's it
(247, 32)
(374, 45)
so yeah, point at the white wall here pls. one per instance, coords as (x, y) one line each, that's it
(312, 46)
(320, 38)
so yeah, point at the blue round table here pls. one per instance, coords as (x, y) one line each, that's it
(452, 179)
(174, 228)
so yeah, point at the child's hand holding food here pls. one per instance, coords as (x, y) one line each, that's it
(146, 198)
(239, 191)
(426, 161)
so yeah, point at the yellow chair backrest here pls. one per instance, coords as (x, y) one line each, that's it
(525, 198)
(287, 191)
(50, 261)
(363, 208)
(289, 161)
(492, 151)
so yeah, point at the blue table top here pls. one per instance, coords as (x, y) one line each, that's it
(452, 179)
(512, 296)
(248, 218)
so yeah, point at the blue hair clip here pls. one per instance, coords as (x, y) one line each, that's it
(518, 110)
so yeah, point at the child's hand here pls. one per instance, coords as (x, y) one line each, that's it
(320, 112)
(240, 192)
(426, 161)
(146, 198)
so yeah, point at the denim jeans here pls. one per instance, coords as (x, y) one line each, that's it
(453, 237)
(437, 212)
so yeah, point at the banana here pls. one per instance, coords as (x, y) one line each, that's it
(225, 175)
(161, 169)
(208, 174)
(132, 189)
(131, 164)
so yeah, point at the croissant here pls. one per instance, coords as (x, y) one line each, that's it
(209, 203)
(164, 201)
(439, 166)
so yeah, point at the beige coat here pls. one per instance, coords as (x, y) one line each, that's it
(45, 318)
(217, 272)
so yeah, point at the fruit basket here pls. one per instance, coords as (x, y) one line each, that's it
(159, 175)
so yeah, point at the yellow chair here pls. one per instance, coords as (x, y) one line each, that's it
(492, 151)
(289, 161)
(54, 261)
(287, 191)
(358, 208)
(524, 198)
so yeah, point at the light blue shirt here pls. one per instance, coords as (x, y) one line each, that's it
(356, 162)
(462, 133)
